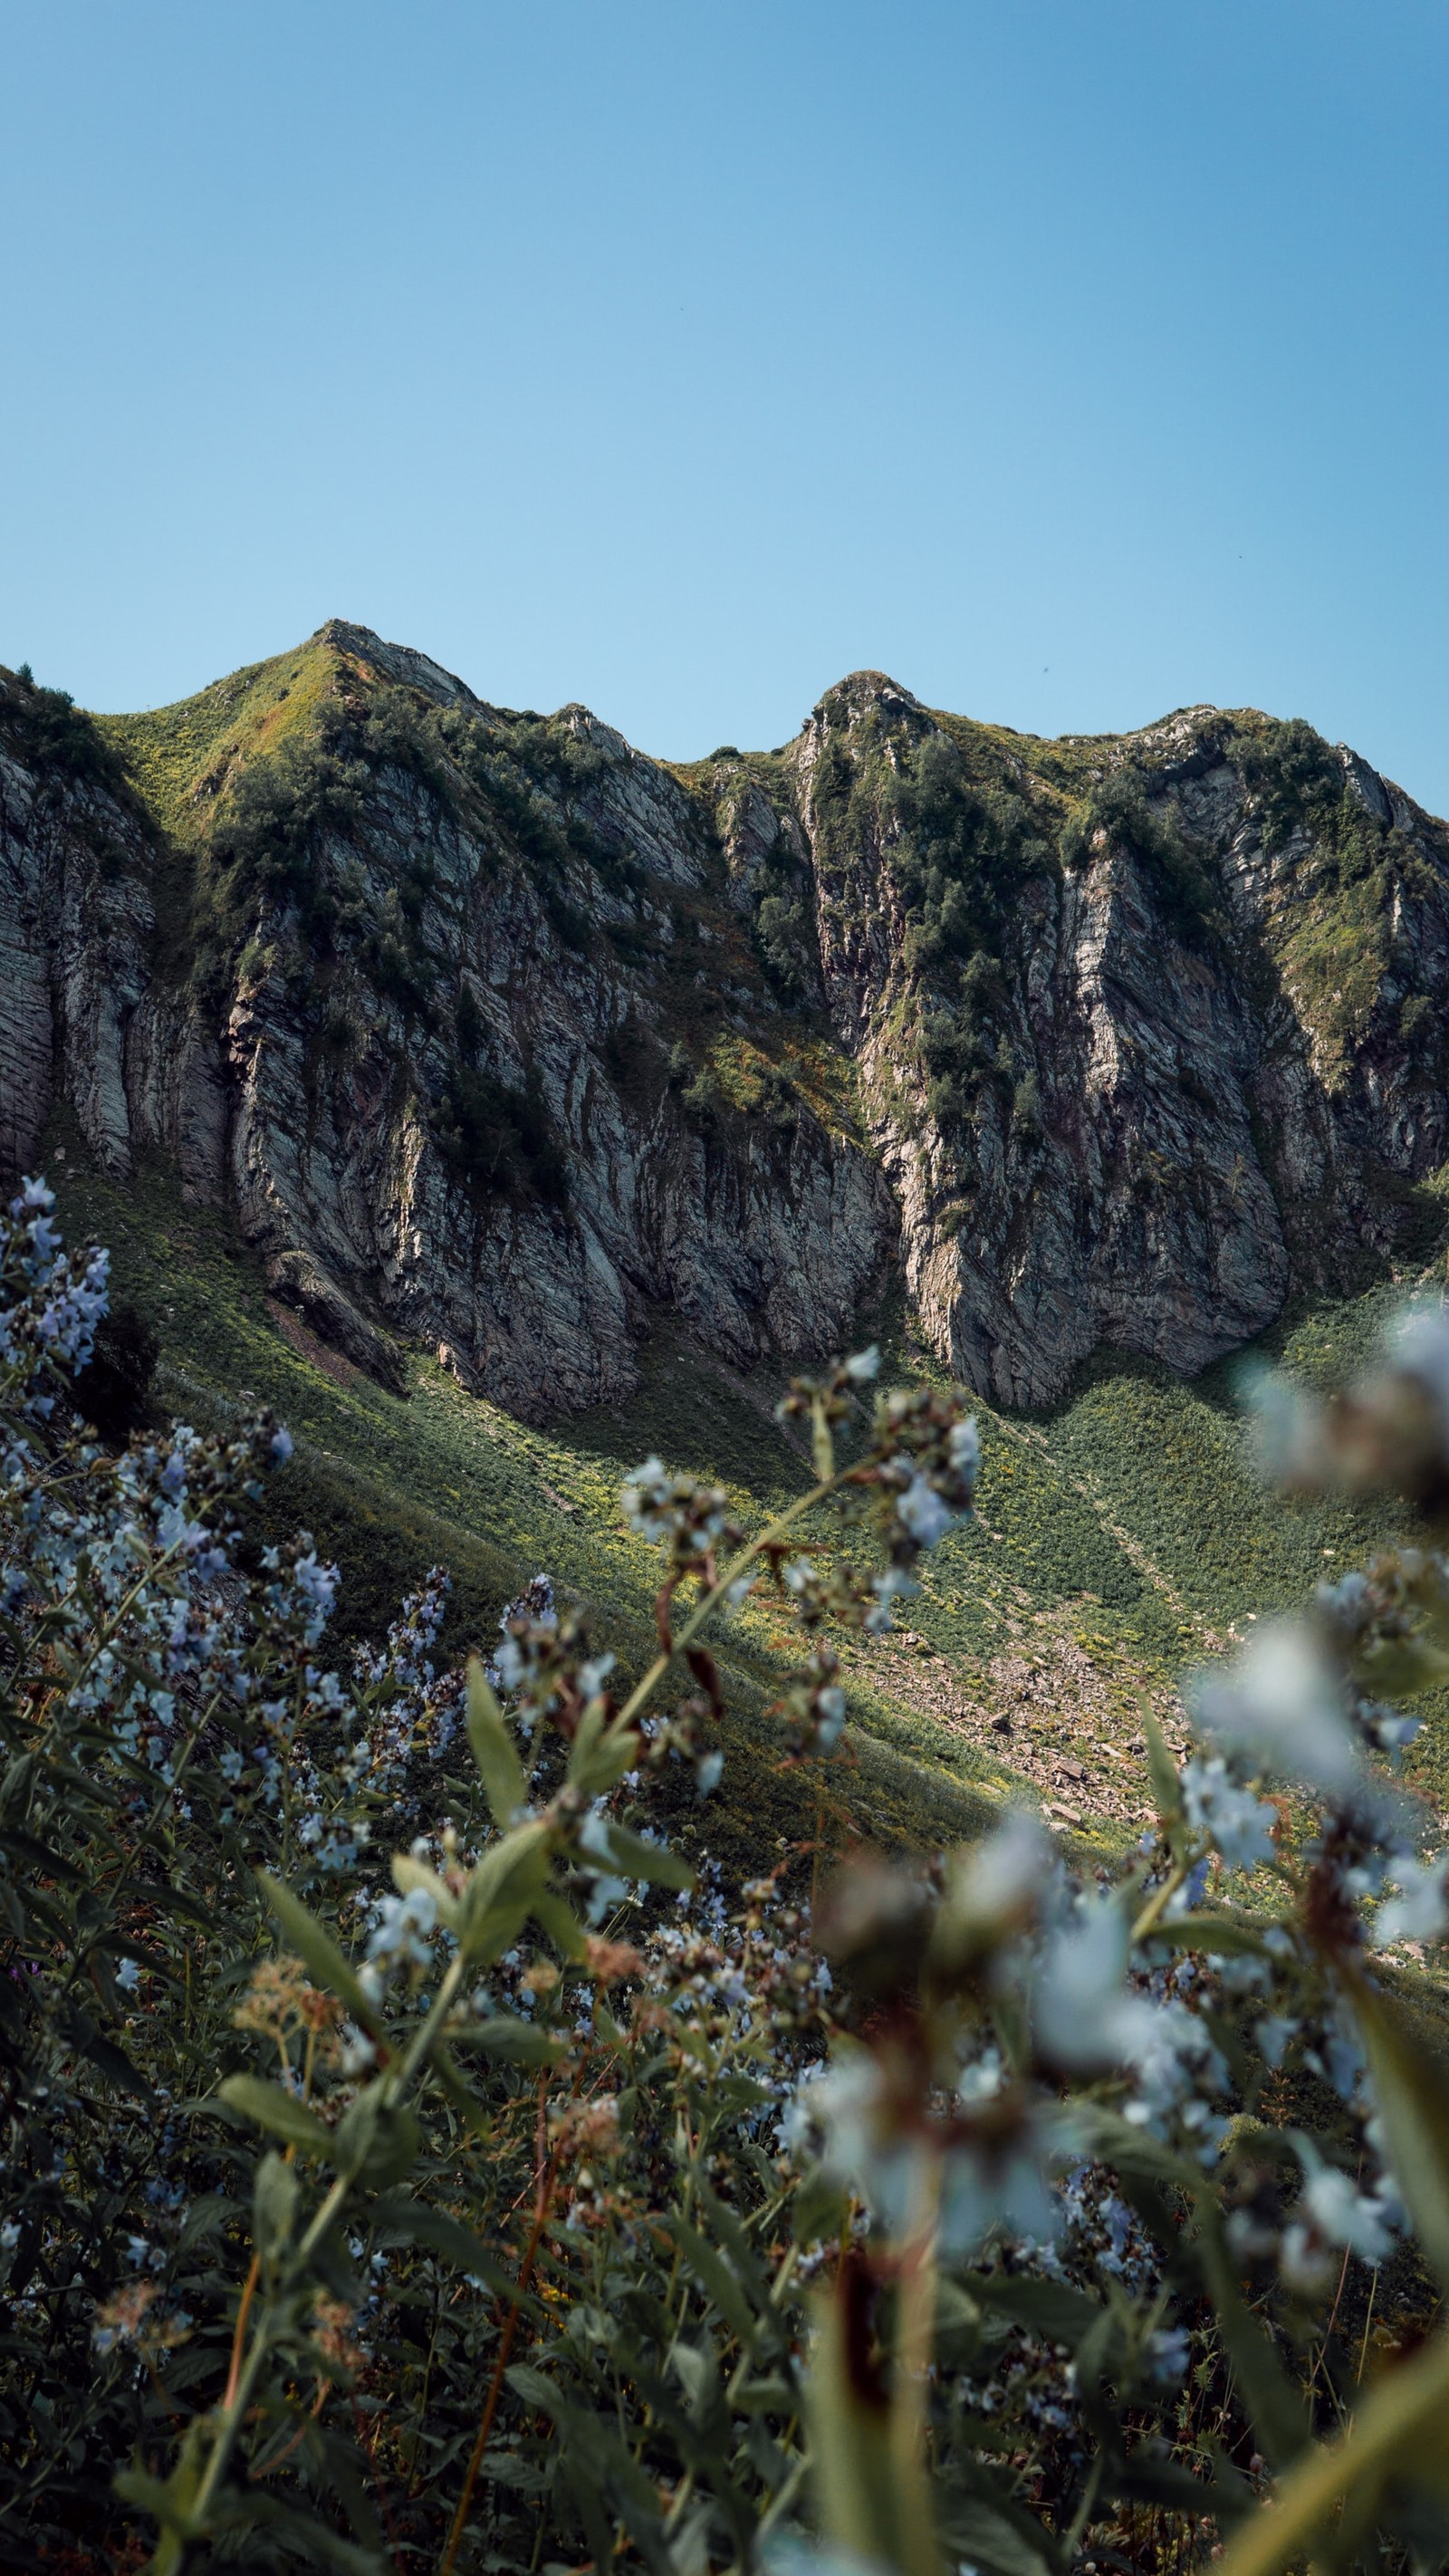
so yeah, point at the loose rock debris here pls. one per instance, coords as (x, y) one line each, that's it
(1063, 1716)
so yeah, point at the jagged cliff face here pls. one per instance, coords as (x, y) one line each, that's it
(444, 1060)
(501, 1038)
(1215, 1028)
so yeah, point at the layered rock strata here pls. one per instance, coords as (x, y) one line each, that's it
(543, 1037)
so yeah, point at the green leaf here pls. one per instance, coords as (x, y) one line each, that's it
(874, 2500)
(1271, 2399)
(1398, 1668)
(1412, 2089)
(739, 2093)
(88, 1787)
(274, 2205)
(169, 2501)
(401, 2220)
(1149, 2476)
(318, 1951)
(37, 1910)
(958, 2325)
(1047, 2308)
(377, 2140)
(600, 1755)
(561, 1924)
(315, 2538)
(516, 2041)
(205, 2218)
(19, 1773)
(534, 2389)
(114, 2064)
(698, 2368)
(1108, 2139)
(634, 1858)
(501, 1890)
(473, 2113)
(173, 1900)
(772, 2395)
(598, 2463)
(24, 1847)
(1276, 2407)
(749, 2271)
(984, 2534)
(716, 2278)
(1398, 2427)
(494, 1750)
(586, 1735)
(1162, 1770)
(694, 2044)
(408, 1874)
(333, 2264)
(279, 2113)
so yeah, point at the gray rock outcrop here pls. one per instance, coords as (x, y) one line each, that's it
(542, 1037)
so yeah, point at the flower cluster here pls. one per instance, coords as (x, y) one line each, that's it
(814, 1703)
(691, 1521)
(1387, 1434)
(561, 2138)
(49, 1308)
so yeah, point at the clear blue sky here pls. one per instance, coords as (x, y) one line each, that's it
(1069, 359)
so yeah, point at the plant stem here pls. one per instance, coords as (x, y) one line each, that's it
(147, 1834)
(1368, 2321)
(1393, 2427)
(767, 1538)
(243, 2379)
(495, 2385)
(1083, 2515)
(1157, 1903)
(911, 2368)
(239, 2336)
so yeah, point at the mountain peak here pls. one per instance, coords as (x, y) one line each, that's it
(395, 661)
(500, 1036)
(860, 693)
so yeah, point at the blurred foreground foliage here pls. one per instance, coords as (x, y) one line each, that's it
(411, 2162)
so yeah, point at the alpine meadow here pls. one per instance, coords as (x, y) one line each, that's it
(725, 1640)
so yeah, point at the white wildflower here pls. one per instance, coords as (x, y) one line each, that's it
(1083, 2014)
(924, 1514)
(1420, 1912)
(403, 1927)
(964, 1448)
(1240, 1825)
(1419, 1348)
(1273, 2034)
(1278, 1708)
(862, 1366)
(997, 1884)
(1346, 2216)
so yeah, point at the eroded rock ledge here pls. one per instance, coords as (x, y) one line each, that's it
(500, 1036)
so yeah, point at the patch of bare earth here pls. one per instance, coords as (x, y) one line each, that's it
(1060, 1712)
(308, 1347)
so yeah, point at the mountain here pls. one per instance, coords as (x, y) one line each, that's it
(502, 1105)
(503, 1041)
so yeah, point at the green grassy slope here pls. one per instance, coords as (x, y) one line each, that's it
(180, 756)
(392, 1484)
(1117, 1539)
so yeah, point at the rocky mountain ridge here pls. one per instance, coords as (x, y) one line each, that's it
(500, 1037)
